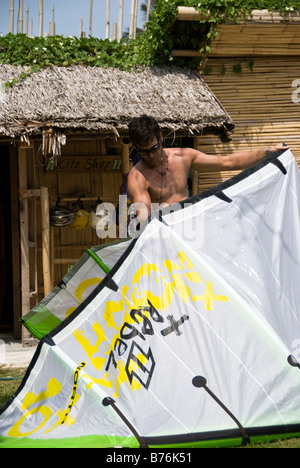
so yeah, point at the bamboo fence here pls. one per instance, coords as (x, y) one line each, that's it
(266, 39)
(259, 101)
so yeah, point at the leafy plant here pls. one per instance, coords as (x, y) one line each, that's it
(39, 52)
(153, 46)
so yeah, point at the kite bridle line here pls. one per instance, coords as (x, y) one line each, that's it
(110, 402)
(200, 382)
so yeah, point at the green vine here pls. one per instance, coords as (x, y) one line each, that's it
(152, 47)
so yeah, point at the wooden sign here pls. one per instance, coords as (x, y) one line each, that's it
(89, 164)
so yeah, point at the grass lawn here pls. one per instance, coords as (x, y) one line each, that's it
(8, 387)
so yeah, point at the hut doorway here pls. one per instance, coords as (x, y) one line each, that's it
(6, 275)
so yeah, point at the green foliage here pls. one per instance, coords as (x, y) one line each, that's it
(238, 68)
(164, 32)
(38, 52)
(152, 47)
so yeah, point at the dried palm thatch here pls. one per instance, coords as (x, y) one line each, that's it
(104, 100)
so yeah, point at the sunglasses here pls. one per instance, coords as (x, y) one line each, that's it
(154, 149)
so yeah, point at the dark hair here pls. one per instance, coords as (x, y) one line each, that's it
(142, 130)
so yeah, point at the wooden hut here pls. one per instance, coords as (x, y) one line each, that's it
(63, 134)
(254, 70)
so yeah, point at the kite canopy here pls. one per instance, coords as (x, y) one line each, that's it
(190, 340)
(74, 288)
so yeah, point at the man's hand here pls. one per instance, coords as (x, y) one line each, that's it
(277, 147)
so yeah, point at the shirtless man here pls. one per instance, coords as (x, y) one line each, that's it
(160, 177)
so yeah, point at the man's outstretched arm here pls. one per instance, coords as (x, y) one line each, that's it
(234, 161)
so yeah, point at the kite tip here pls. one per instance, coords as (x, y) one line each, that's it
(107, 401)
(199, 381)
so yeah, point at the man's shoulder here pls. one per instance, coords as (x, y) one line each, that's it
(135, 172)
(135, 176)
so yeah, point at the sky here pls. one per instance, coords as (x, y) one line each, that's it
(68, 14)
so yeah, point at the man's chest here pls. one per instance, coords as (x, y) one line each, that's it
(164, 187)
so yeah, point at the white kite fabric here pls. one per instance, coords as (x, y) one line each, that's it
(201, 313)
(74, 288)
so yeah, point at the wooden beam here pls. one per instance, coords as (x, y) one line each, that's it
(185, 53)
(27, 193)
(46, 240)
(65, 261)
(24, 244)
(191, 14)
(260, 16)
(15, 253)
(52, 248)
(125, 159)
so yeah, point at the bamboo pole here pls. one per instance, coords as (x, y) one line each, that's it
(107, 19)
(46, 240)
(125, 159)
(53, 20)
(120, 20)
(148, 11)
(27, 20)
(41, 18)
(114, 31)
(20, 17)
(52, 23)
(91, 18)
(11, 16)
(52, 250)
(131, 18)
(81, 27)
(135, 18)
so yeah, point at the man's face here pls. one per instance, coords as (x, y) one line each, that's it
(151, 153)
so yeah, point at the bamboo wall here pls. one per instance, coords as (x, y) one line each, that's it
(258, 94)
(257, 39)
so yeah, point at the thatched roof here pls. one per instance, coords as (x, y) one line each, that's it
(104, 100)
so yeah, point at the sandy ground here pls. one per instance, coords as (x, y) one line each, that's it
(13, 354)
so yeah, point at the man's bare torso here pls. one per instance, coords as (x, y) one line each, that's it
(166, 183)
